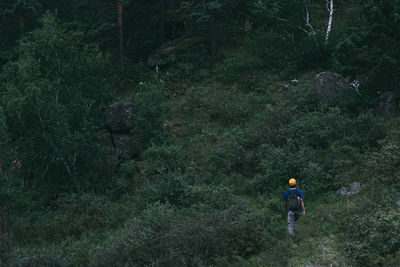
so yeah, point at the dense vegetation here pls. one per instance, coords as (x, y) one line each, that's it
(224, 114)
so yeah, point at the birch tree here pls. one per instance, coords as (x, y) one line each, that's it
(329, 7)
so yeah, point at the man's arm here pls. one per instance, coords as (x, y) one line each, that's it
(302, 205)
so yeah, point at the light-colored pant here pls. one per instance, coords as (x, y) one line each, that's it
(291, 222)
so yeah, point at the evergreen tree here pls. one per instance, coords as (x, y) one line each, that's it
(16, 18)
(372, 52)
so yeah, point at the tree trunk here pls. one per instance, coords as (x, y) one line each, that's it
(329, 6)
(121, 35)
(161, 33)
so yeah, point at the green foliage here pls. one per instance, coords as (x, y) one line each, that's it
(384, 164)
(163, 235)
(319, 129)
(284, 41)
(167, 188)
(372, 51)
(51, 98)
(74, 216)
(166, 157)
(150, 107)
(16, 18)
(375, 236)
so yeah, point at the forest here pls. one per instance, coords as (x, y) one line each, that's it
(164, 132)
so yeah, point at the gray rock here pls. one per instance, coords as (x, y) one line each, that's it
(168, 52)
(329, 87)
(398, 203)
(125, 144)
(119, 117)
(270, 107)
(351, 189)
(284, 87)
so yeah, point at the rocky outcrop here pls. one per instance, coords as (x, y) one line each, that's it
(329, 87)
(119, 117)
(167, 53)
(351, 189)
(125, 144)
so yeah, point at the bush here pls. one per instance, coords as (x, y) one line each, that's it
(75, 216)
(150, 109)
(203, 233)
(320, 128)
(374, 237)
(167, 188)
(384, 164)
(164, 158)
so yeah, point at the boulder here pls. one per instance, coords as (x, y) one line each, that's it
(329, 87)
(125, 144)
(351, 189)
(119, 117)
(168, 52)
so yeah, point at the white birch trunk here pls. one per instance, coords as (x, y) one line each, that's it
(329, 6)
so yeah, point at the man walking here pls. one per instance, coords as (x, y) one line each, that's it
(294, 204)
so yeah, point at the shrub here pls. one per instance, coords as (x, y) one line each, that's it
(385, 163)
(75, 216)
(167, 188)
(374, 236)
(150, 109)
(203, 233)
(164, 158)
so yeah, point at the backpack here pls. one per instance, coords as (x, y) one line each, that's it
(293, 201)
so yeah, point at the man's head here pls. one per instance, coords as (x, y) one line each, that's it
(292, 182)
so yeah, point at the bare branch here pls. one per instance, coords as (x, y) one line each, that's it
(308, 19)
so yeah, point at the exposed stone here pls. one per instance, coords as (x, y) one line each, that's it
(284, 87)
(125, 144)
(351, 189)
(248, 26)
(329, 87)
(119, 117)
(167, 53)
